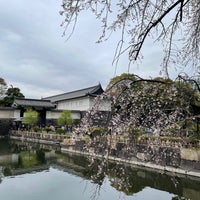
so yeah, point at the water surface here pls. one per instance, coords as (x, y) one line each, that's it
(36, 173)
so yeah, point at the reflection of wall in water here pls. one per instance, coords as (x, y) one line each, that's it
(191, 194)
(11, 158)
(25, 145)
(134, 180)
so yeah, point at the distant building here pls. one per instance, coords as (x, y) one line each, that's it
(50, 108)
(41, 106)
(81, 100)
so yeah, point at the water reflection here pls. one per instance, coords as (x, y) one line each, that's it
(17, 157)
(131, 180)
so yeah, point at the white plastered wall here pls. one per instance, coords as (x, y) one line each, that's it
(81, 104)
(6, 114)
(56, 115)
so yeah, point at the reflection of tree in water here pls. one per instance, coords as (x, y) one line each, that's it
(7, 171)
(96, 171)
(122, 178)
(126, 178)
(4, 144)
(131, 180)
(41, 156)
(26, 157)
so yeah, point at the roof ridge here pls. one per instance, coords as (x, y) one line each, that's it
(29, 99)
(96, 88)
(73, 91)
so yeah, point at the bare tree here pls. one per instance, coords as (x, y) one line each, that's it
(175, 23)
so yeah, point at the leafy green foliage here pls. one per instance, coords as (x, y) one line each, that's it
(65, 118)
(10, 95)
(97, 131)
(135, 133)
(30, 117)
(36, 128)
(122, 77)
(59, 131)
(47, 129)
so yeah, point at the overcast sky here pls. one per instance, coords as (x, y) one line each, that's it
(36, 58)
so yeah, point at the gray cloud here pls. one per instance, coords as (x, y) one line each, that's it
(35, 58)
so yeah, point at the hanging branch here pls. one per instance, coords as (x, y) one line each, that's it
(138, 19)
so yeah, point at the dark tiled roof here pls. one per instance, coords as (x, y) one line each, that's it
(91, 91)
(32, 103)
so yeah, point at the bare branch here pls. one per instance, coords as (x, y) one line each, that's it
(139, 19)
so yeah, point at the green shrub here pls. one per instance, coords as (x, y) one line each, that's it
(69, 135)
(60, 131)
(47, 129)
(135, 133)
(195, 143)
(97, 131)
(36, 128)
(86, 138)
(31, 117)
(7, 171)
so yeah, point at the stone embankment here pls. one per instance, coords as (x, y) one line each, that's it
(186, 170)
(44, 138)
(168, 158)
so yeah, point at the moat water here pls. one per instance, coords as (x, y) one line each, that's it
(37, 172)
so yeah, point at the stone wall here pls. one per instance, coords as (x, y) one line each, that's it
(164, 156)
